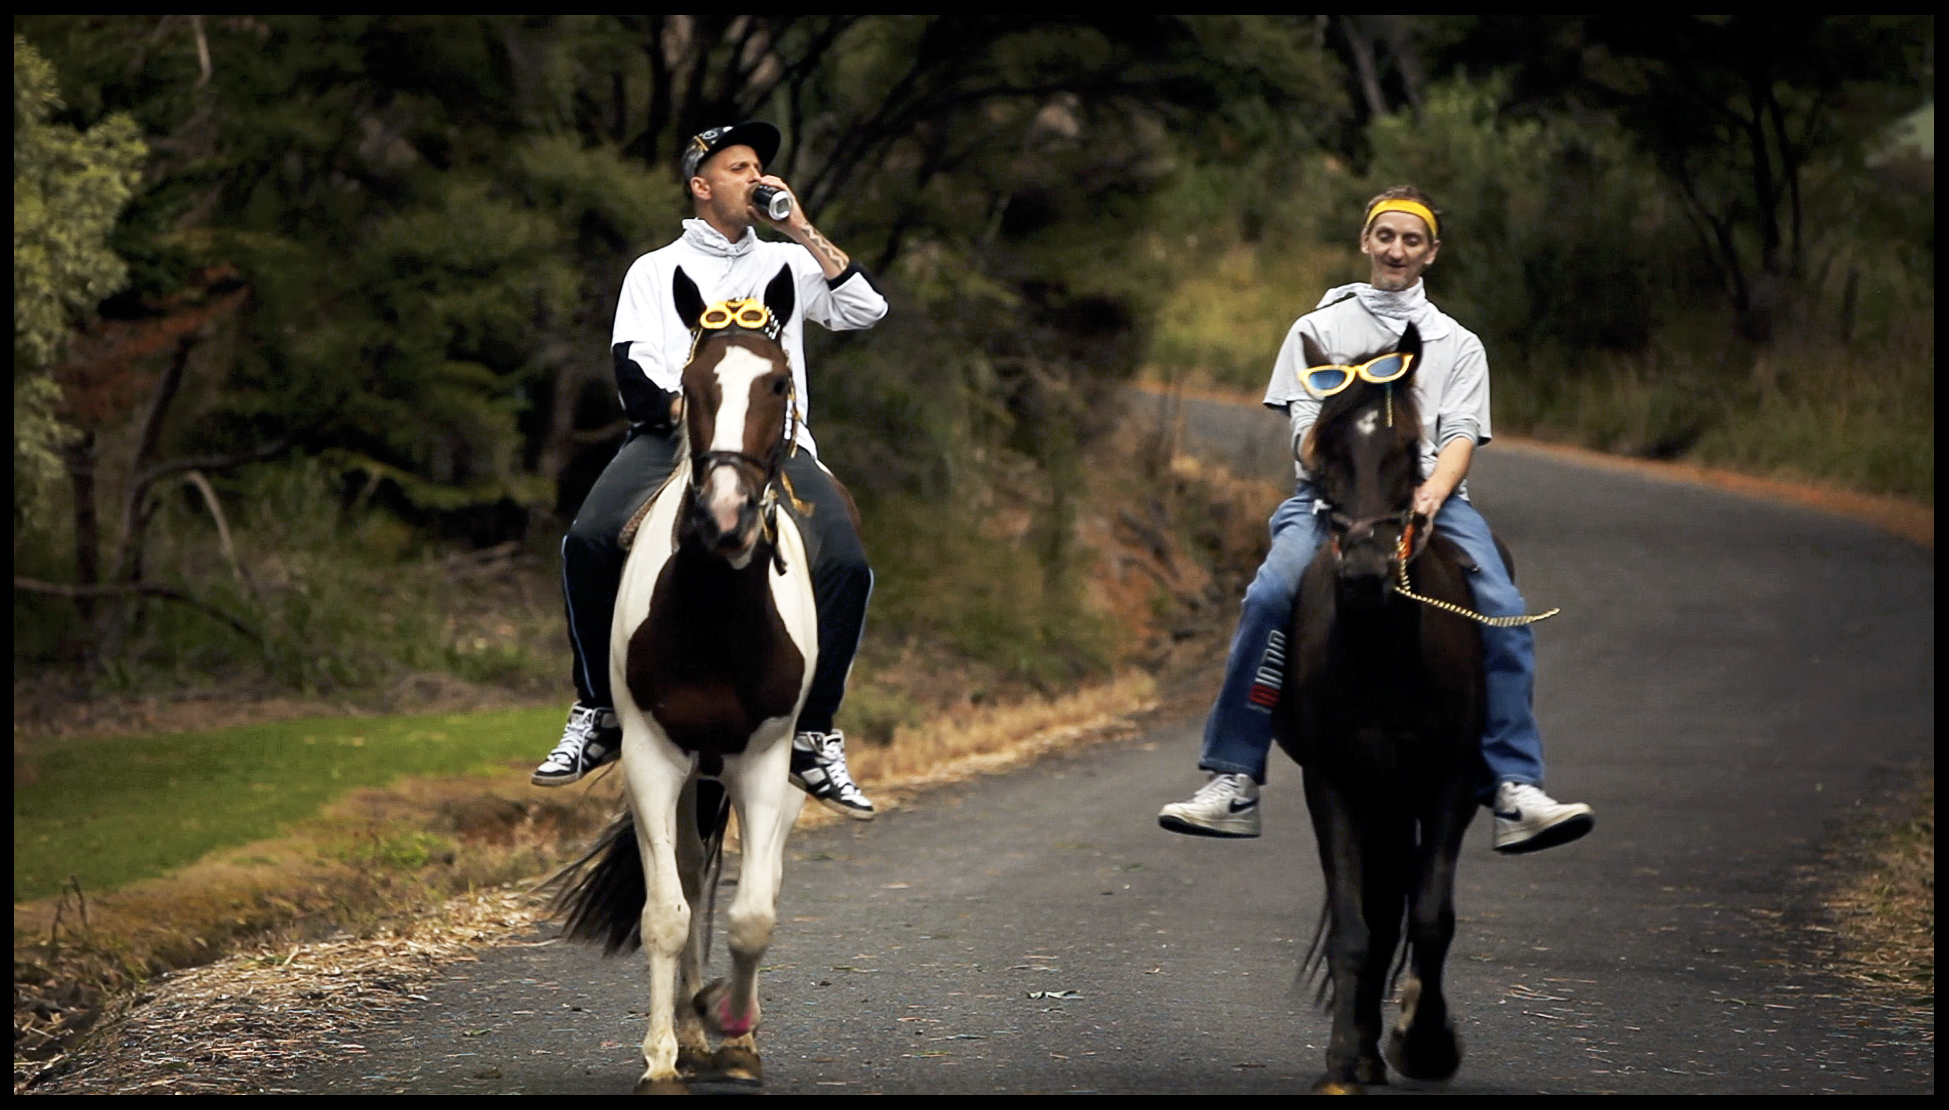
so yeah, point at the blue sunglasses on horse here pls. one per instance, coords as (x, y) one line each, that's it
(1324, 381)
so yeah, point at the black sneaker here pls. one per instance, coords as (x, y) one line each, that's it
(592, 738)
(819, 769)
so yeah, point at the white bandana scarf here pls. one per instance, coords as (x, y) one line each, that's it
(708, 239)
(1398, 310)
(1408, 305)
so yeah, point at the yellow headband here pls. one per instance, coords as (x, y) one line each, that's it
(1412, 208)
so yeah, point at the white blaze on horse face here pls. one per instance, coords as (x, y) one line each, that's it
(736, 371)
(1369, 422)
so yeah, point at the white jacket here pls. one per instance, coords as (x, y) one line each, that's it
(658, 343)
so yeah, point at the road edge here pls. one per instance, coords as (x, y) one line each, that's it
(1909, 520)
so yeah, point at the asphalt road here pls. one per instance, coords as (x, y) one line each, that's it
(1729, 682)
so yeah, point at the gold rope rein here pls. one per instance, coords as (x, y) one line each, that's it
(1449, 606)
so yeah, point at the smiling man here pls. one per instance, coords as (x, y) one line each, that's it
(1401, 238)
(720, 251)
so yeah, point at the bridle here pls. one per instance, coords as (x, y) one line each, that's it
(1414, 541)
(750, 315)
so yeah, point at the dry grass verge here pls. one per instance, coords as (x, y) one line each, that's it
(367, 862)
(993, 740)
(245, 1023)
(1883, 911)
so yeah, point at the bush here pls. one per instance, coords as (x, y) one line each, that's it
(1553, 231)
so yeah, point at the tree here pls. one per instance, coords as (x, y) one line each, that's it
(1734, 110)
(70, 186)
(399, 238)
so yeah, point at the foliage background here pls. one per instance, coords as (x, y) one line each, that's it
(311, 313)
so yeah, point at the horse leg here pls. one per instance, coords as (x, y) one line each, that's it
(767, 806)
(655, 773)
(1387, 852)
(693, 1047)
(1424, 1045)
(1353, 1051)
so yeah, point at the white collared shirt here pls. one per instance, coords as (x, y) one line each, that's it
(1451, 378)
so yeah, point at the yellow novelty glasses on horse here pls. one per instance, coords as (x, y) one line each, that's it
(1324, 381)
(749, 312)
(746, 312)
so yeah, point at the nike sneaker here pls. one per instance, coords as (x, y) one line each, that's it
(1528, 820)
(1228, 805)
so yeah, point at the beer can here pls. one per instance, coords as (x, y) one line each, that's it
(772, 201)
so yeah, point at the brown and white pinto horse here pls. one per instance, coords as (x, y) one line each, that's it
(713, 648)
(1383, 707)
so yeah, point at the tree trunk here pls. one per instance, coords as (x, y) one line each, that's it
(80, 457)
(1361, 45)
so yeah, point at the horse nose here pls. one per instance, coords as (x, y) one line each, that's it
(1365, 535)
(731, 507)
(1366, 561)
(1364, 552)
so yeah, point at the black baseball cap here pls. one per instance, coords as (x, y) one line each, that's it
(759, 136)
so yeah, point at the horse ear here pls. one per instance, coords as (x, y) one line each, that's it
(781, 296)
(1314, 356)
(1411, 342)
(690, 303)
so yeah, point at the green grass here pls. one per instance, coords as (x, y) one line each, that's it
(114, 811)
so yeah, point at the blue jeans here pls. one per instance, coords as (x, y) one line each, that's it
(1239, 731)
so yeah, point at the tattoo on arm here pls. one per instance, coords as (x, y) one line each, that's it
(823, 250)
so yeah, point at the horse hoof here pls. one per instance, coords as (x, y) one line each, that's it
(669, 1086)
(695, 1063)
(1431, 1057)
(737, 1064)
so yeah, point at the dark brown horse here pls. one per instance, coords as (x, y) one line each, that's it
(1383, 707)
(713, 649)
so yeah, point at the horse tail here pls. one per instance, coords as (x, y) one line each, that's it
(713, 816)
(1401, 961)
(600, 896)
(1313, 967)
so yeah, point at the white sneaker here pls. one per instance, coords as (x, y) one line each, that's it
(1528, 820)
(592, 737)
(1228, 805)
(819, 769)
